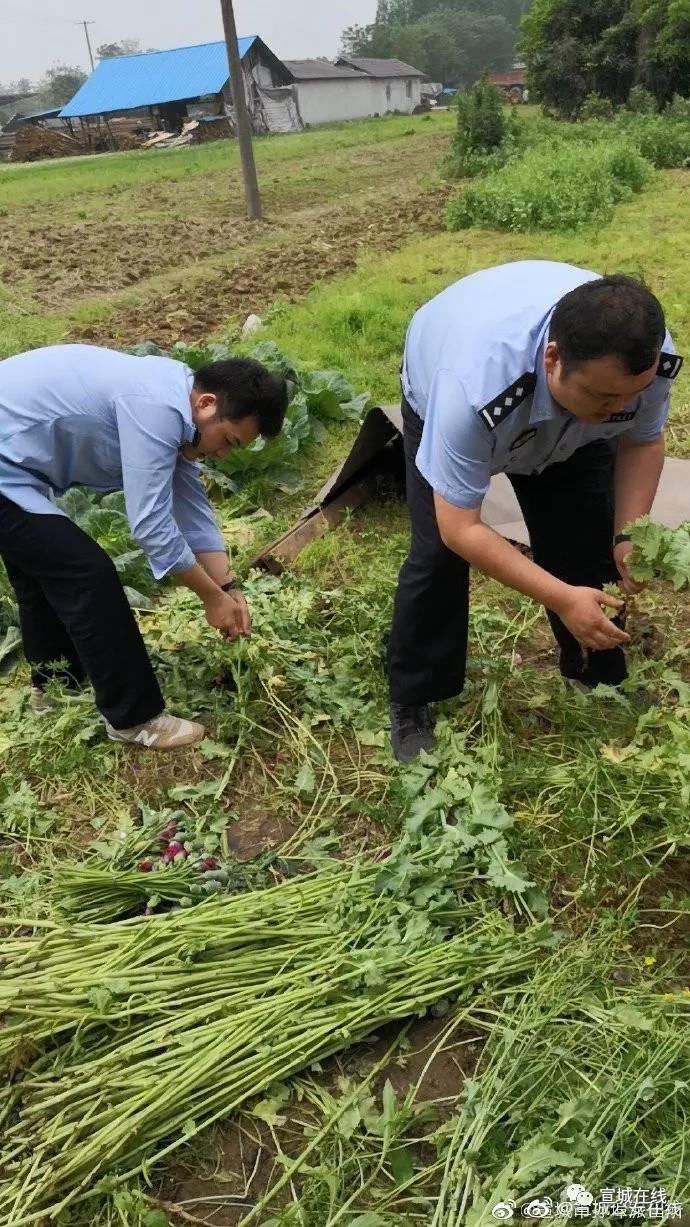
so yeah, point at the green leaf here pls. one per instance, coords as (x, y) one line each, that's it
(349, 1120)
(187, 792)
(305, 780)
(508, 877)
(156, 1218)
(422, 807)
(539, 1160)
(10, 650)
(137, 600)
(100, 997)
(402, 1165)
(632, 1017)
(390, 1102)
(267, 1110)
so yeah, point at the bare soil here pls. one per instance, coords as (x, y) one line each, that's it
(176, 258)
(328, 244)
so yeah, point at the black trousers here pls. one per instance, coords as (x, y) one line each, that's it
(569, 512)
(73, 609)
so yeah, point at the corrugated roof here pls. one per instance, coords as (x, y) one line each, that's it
(131, 81)
(517, 76)
(53, 113)
(320, 70)
(381, 68)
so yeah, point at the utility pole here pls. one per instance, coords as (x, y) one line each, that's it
(244, 130)
(86, 25)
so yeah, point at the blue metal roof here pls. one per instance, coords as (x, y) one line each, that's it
(131, 81)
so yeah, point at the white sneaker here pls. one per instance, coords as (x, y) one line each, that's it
(164, 732)
(39, 702)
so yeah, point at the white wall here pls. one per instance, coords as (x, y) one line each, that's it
(403, 95)
(323, 102)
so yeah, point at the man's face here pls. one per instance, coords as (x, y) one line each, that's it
(597, 389)
(218, 436)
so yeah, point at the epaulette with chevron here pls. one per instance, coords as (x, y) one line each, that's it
(669, 365)
(498, 410)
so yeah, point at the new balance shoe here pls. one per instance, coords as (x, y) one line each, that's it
(39, 701)
(164, 732)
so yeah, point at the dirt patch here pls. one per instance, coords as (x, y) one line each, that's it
(286, 271)
(254, 833)
(240, 1164)
(75, 260)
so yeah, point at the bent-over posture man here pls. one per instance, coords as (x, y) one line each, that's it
(561, 379)
(80, 415)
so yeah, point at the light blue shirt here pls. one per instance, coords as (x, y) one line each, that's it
(474, 372)
(78, 415)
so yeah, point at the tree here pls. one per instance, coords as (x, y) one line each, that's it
(22, 87)
(453, 45)
(60, 83)
(126, 46)
(577, 47)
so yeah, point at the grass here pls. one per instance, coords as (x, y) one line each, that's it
(358, 324)
(82, 179)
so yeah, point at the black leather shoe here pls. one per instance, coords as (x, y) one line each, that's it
(411, 731)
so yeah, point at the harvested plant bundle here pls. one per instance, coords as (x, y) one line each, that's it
(124, 1041)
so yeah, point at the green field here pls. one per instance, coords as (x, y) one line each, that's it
(548, 1064)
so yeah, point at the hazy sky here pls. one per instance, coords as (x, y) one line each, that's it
(36, 33)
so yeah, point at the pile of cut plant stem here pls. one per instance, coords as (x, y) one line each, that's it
(124, 1041)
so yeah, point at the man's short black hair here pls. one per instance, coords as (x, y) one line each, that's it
(245, 388)
(613, 316)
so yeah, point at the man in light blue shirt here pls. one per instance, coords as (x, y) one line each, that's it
(80, 415)
(561, 379)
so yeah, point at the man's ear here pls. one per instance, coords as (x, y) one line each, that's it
(552, 358)
(205, 403)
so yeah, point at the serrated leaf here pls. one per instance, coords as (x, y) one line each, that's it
(305, 780)
(422, 807)
(632, 1017)
(100, 997)
(539, 1160)
(508, 877)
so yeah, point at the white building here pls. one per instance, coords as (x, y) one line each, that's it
(353, 89)
(401, 82)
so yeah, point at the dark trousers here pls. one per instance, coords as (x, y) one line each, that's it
(569, 512)
(73, 609)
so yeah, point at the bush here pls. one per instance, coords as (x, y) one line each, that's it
(641, 101)
(664, 140)
(596, 107)
(553, 189)
(484, 139)
(678, 109)
(661, 140)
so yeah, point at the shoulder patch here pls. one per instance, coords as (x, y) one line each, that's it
(669, 365)
(499, 409)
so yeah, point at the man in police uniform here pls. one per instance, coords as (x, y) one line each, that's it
(561, 379)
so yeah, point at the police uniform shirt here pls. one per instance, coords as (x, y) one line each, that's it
(474, 372)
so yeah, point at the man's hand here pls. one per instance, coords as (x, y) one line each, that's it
(626, 582)
(580, 611)
(227, 612)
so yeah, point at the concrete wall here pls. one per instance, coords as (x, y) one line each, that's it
(403, 95)
(323, 102)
